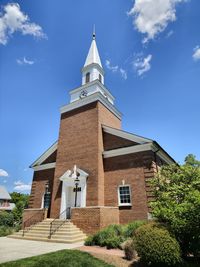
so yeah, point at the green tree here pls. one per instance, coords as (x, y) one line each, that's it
(21, 202)
(177, 202)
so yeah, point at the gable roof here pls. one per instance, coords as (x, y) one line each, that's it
(144, 144)
(45, 155)
(4, 193)
(126, 135)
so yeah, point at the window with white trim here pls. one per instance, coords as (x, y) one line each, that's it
(124, 195)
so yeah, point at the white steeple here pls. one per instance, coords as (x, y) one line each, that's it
(93, 54)
(92, 88)
(93, 69)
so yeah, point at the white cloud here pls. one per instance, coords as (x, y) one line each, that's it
(12, 19)
(21, 186)
(123, 73)
(116, 69)
(25, 61)
(170, 33)
(3, 173)
(151, 17)
(196, 54)
(142, 64)
(110, 67)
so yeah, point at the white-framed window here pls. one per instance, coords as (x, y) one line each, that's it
(124, 195)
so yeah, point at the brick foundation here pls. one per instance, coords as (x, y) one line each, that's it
(92, 219)
(30, 216)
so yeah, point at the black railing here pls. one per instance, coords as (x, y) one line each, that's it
(30, 222)
(55, 224)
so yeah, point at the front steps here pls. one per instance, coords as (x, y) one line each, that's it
(66, 233)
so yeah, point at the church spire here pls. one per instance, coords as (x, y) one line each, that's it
(93, 54)
(93, 69)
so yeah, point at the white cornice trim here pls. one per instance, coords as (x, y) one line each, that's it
(162, 154)
(85, 86)
(93, 65)
(127, 150)
(139, 148)
(89, 99)
(44, 166)
(126, 135)
(45, 155)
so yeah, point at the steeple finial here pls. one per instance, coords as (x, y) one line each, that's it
(93, 54)
(94, 34)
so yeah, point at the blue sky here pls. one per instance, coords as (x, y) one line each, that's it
(150, 54)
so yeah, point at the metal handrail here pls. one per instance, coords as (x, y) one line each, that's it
(58, 225)
(24, 225)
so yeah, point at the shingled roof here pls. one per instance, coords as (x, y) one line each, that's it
(4, 193)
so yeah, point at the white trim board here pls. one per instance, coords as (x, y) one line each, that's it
(44, 166)
(138, 148)
(45, 155)
(126, 150)
(85, 86)
(90, 99)
(120, 133)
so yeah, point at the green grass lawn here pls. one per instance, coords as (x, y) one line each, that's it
(67, 258)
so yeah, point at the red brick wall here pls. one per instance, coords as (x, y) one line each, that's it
(129, 168)
(112, 142)
(92, 219)
(81, 143)
(105, 117)
(30, 216)
(109, 215)
(51, 158)
(40, 178)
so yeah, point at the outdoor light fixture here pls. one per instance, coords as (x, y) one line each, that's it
(76, 181)
(47, 187)
(47, 196)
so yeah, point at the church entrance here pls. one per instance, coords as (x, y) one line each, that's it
(70, 196)
(69, 191)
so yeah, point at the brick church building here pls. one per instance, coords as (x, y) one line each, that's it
(113, 166)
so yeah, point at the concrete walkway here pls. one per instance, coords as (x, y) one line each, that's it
(13, 249)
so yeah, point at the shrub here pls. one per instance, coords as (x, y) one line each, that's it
(129, 249)
(5, 230)
(89, 241)
(6, 218)
(155, 246)
(132, 227)
(113, 242)
(111, 237)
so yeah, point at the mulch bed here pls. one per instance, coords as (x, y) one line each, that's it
(111, 256)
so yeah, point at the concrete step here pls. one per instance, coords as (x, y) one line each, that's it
(68, 236)
(65, 232)
(57, 235)
(68, 231)
(38, 232)
(30, 234)
(67, 241)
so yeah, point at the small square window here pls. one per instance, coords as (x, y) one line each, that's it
(124, 195)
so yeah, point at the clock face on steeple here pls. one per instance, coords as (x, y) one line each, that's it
(83, 94)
